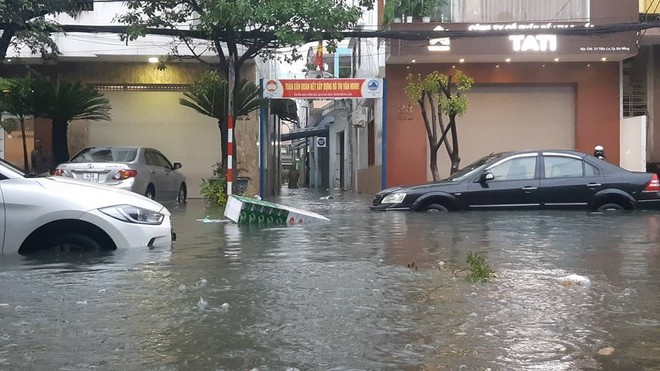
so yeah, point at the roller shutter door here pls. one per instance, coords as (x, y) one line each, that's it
(501, 118)
(156, 119)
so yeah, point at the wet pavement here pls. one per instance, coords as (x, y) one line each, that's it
(346, 295)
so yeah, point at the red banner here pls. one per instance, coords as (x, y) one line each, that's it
(324, 88)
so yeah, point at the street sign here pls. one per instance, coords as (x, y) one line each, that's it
(321, 142)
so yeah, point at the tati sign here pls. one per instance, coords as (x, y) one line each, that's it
(323, 88)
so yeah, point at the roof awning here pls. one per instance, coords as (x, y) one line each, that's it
(320, 132)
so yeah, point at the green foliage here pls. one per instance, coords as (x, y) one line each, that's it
(65, 101)
(391, 10)
(208, 96)
(262, 26)
(24, 23)
(478, 269)
(17, 98)
(439, 86)
(214, 189)
(425, 8)
(414, 8)
(9, 125)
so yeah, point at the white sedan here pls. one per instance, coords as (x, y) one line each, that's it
(60, 214)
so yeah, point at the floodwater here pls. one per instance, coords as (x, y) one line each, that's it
(366, 291)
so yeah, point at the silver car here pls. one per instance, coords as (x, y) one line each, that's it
(142, 170)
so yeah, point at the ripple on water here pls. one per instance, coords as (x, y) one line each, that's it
(342, 295)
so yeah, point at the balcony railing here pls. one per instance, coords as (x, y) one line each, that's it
(476, 11)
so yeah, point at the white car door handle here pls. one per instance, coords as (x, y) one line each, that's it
(529, 188)
(593, 185)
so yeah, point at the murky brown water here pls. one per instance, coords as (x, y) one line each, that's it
(340, 296)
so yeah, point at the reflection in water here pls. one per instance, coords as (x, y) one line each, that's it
(341, 295)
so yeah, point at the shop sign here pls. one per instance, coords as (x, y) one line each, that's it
(323, 88)
(534, 43)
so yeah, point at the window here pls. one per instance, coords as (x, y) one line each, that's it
(566, 167)
(345, 66)
(151, 159)
(590, 170)
(520, 168)
(162, 160)
(474, 11)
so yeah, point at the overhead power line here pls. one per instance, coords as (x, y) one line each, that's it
(261, 36)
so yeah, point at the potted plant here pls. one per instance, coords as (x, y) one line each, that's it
(409, 8)
(425, 9)
(241, 182)
(391, 12)
(214, 189)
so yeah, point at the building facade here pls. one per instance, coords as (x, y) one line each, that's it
(535, 85)
(144, 99)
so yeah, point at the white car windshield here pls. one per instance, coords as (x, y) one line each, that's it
(9, 170)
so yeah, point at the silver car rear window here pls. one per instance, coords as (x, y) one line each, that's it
(105, 154)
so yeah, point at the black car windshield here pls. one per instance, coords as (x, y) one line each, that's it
(105, 154)
(469, 170)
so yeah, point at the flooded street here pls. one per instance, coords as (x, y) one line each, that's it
(346, 295)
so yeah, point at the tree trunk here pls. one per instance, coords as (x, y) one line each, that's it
(5, 40)
(223, 145)
(26, 164)
(236, 65)
(59, 130)
(455, 158)
(434, 163)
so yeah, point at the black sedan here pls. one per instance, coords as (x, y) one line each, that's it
(538, 179)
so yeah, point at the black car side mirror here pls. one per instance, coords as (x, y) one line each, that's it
(486, 176)
(177, 165)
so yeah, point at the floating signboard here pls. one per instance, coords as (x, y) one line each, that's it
(245, 210)
(323, 88)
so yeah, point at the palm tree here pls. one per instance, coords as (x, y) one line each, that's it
(66, 101)
(16, 98)
(208, 96)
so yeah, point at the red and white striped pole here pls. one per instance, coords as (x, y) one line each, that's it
(230, 153)
(230, 125)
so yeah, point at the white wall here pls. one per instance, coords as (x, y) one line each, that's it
(156, 119)
(632, 154)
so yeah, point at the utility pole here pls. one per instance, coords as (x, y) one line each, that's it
(230, 124)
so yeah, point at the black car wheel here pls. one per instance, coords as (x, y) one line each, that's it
(183, 194)
(436, 208)
(151, 192)
(611, 206)
(72, 242)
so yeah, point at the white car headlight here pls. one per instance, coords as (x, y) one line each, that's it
(133, 214)
(394, 198)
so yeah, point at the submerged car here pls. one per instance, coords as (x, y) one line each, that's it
(535, 179)
(138, 169)
(60, 214)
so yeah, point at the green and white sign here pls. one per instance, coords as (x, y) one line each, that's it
(245, 210)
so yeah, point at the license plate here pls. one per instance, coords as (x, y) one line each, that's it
(91, 177)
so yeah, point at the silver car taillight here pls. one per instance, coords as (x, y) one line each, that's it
(124, 174)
